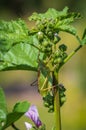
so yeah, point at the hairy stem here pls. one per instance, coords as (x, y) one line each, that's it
(56, 103)
(72, 53)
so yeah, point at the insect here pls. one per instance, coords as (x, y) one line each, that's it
(44, 79)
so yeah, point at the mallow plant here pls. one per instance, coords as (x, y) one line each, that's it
(38, 49)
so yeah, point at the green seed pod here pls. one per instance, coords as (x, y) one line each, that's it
(40, 36)
(59, 60)
(44, 21)
(51, 107)
(63, 99)
(55, 61)
(45, 43)
(50, 44)
(57, 53)
(62, 94)
(46, 104)
(51, 110)
(64, 55)
(63, 47)
(48, 49)
(55, 40)
(50, 34)
(40, 26)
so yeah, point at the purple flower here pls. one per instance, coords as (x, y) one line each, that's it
(32, 113)
(28, 125)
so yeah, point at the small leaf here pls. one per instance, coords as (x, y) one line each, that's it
(18, 111)
(21, 107)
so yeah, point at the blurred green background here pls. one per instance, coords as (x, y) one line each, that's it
(17, 84)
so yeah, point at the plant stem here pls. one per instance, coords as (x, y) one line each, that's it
(70, 55)
(56, 103)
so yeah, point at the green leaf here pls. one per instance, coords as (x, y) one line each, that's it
(11, 33)
(50, 13)
(3, 108)
(18, 111)
(67, 28)
(56, 20)
(83, 41)
(23, 51)
(2, 101)
(21, 56)
(2, 118)
(21, 107)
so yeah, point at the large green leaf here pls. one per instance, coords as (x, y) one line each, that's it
(18, 111)
(18, 47)
(11, 33)
(3, 108)
(21, 56)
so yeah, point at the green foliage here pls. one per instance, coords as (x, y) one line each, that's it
(49, 98)
(18, 111)
(21, 56)
(11, 33)
(37, 49)
(18, 47)
(7, 119)
(48, 26)
(57, 20)
(49, 102)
